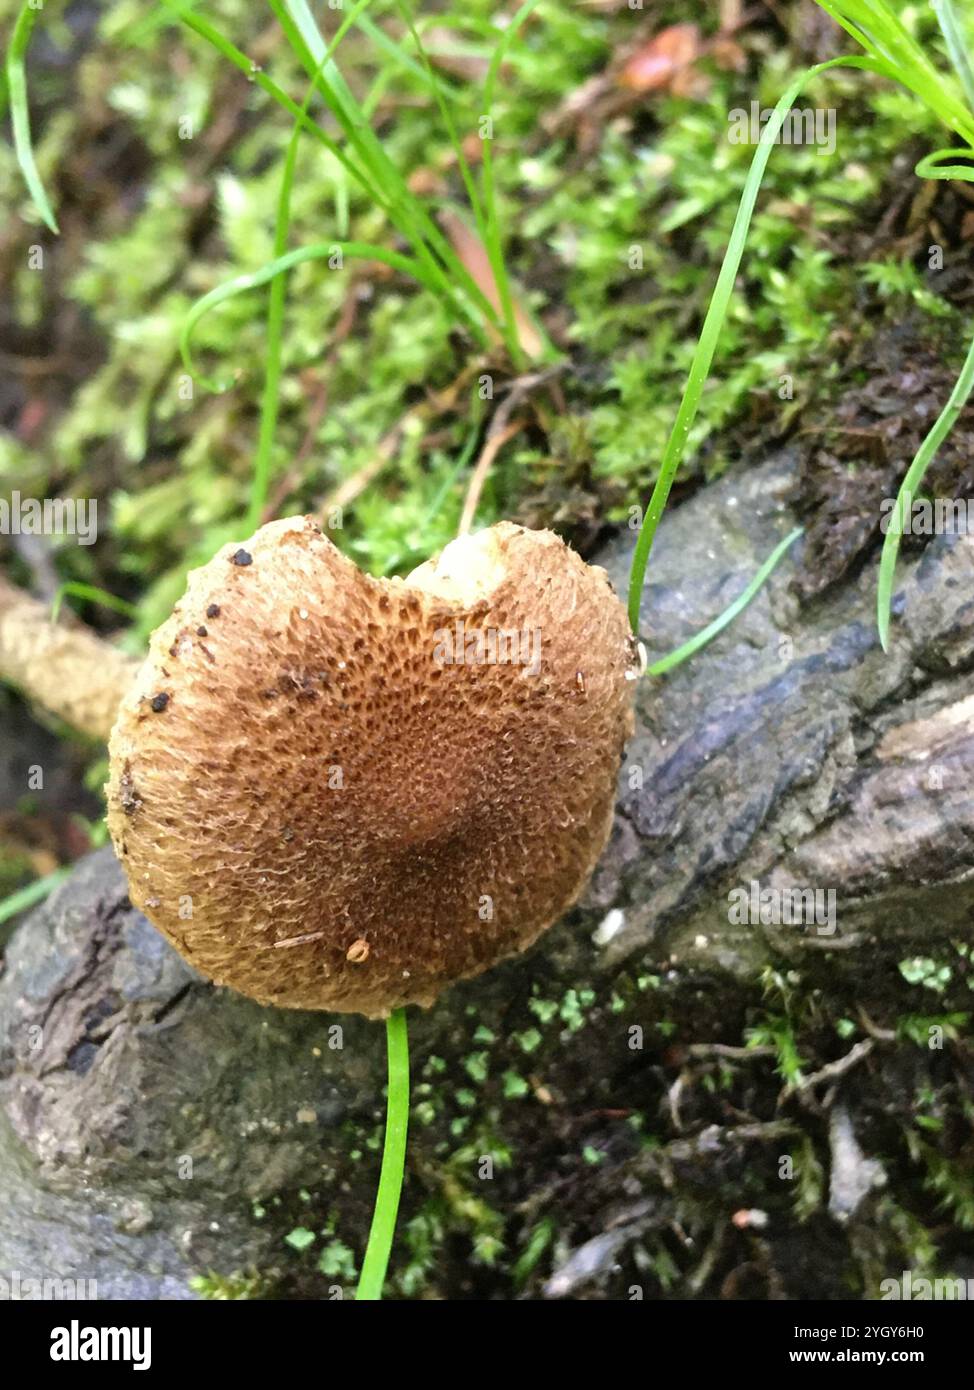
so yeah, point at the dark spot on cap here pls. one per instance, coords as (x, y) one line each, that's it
(201, 631)
(241, 557)
(159, 702)
(213, 611)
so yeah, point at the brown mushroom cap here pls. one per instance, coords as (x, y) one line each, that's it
(337, 792)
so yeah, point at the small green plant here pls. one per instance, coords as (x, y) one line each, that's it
(892, 52)
(920, 970)
(377, 1251)
(17, 88)
(776, 1030)
(434, 263)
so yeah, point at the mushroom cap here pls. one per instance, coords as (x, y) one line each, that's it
(330, 791)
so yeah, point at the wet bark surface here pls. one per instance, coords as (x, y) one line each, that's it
(588, 1120)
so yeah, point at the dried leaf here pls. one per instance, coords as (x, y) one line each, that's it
(654, 66)
(473, 254)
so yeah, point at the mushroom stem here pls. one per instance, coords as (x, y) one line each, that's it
(383, 1228)
(66, 668)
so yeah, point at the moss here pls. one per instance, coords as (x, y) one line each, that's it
(231, 1288)
(175, 471)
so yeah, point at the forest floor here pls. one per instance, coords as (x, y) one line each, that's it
(617, 186)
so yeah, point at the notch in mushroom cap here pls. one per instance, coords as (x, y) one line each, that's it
(337, 792)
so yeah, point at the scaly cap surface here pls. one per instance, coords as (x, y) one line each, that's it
(336, 792)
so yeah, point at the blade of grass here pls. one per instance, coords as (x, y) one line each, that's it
(908, 490)
(382, 40)
(909, 65)
(94, 595)
(707, 634)
(378, 177)
(716, 313)
(356, 250)
(20, 117)
(879, 29)
(239, 59)
(35, 892)
(270, 398)
(406, 212)
(956, 45)
(930, 166)
(492, 231)
(447, 116)
(271, 394)
(383, 1228)
(445, 288)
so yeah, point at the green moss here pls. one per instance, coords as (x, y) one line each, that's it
(229, 1288)
(300, 1238)
(951, 1182)
(175, 470)
(336, 1261)
(529, 1040)
(476, 1066)
(920, 970)
(515, 1086)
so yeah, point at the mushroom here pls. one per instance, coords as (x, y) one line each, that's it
(331, 791)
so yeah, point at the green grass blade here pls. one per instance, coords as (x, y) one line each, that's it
(852, 30)
(875, 25)
(908, 490)
(930, 166)
(492, 238)
(956, 45)
(240, 284)
(35, 892)
(20, 117)
(371, 168)
(376, 1260)
(94, 595)
(405, 210)
(707, 634)
(707, 343)
(270, 397)
(382, 40)
(445, 287)
(239, 59)
(447, 116)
